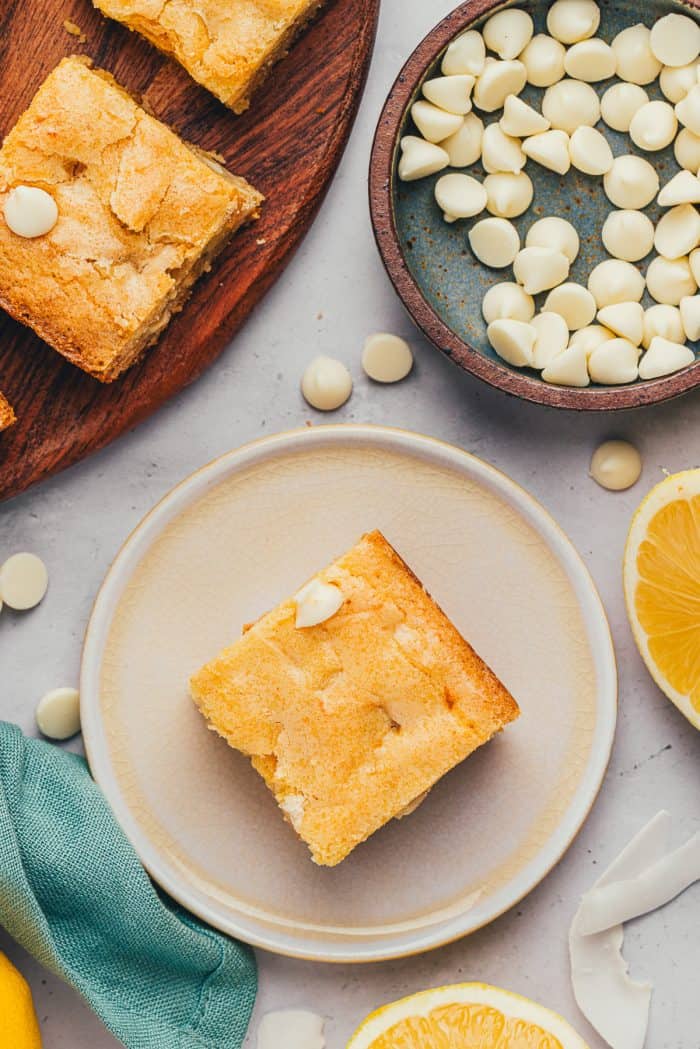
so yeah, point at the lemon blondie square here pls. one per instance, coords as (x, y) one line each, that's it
(352, 720)
(228, 46)
(7, 415)
(140, 215)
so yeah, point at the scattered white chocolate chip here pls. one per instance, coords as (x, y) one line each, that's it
(58, 713)
(508, 195)
(666, 321)
(420, 158)
(591, 337)
(521, 120)
(500, 153)
(670, 280)
(654, 126)
(508, 32)
(550, 149)
(570, 104)
(573, 20)
(614, 363)
(552, 338)
(386, 357)
(632, 183)
(591, 61)
(451, 93)
(620, 103)
(434, 123)
(688, 110)
(23, 581)
(555, 233)
(495, 242)
(636, 62)
(464, 146)
(30, 212)
(539, 269)
(568, 369)
(626, 319)
(459, 196)
(615, 281)
(683, 188)
(664, 358)
(466, 54)
(316, 603)
(507, 301)
(616, 465)
(291, 1028)
(676, 82)
(677, 232)
(326, 384)
(690, 316)
(590, 151)
(543, 59)
(686, 150)
(628, 235)
(498, 80)
(574, 303)
(513, 341)
(675, 40)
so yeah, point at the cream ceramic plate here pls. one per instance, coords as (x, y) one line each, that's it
(244, 532)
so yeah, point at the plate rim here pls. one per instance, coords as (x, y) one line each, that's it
(280, 940)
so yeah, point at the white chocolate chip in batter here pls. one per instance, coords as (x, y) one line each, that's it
(539, 269)
(30, 212)
(616, 465)
(326, 384)
(620, 103)
(386, 358)
(316, 603)
(420, 159)
(495, 242)
(58, 713)
(23, 581)
(664, 358)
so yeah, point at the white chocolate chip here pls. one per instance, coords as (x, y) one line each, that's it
(676, 82)
(694, 263)
(619, 104)
(550, 149)
(570, 104)
(574, 303)
(513, 341)
(495, 242)
(614, 281)
(316, 603)
(466, 54)
(326, 384)
(568, 369)
(616, 465)
(58, 713)
(30, 212)
(464, 146)
(555, 233)
(628, 235)
(591, 337)
(507, 301)
(670, 280)
(521, 120)
(293, 806)
(434, 123)
(498, 80)
(678, 232)
(654, 126)
(543, 59)
(688, 110)
(420, 159)
(675, 40)
(686, 149)
(508, 195)
(508, 32)
(539, 269)
(501, 153)
(684, 188)
(614, 363)
(690, 316)
(23, 581)
(636, 62)
(451, 93)
(626, 319)
(552, 338)
(573, 20)
(591, 61)
(590, 151)
(666, 321)
(664, 358)
(632, 183)
(386, 358)
(459, 196)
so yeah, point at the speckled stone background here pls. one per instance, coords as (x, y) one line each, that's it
(330, 298)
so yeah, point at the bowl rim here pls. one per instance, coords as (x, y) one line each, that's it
(382, 177)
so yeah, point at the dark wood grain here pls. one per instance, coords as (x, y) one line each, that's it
(381, 187)
(288, 145)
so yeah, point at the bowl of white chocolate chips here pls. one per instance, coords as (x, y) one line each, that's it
(535, 185)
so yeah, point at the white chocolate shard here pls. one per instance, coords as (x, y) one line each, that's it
(451, 93)
(628, 235)
(573, 20)
(690, 315)
(614, 281)
(636, 62)
(568, 369)
(552, 338)
(664, 358)
(632, 183)
(688, 110)
(459, 196)
(500, 153)
(466, 54)
(513, 341)
(590, 151)
(507, 301)
(683, 188)
(591, 60)
(678, 232)
(508, 32)
(434, 123)
(555, 233)
(570, 104)
(508, 195)
(550, 150)
(463, 148)
(539, 269)
(495, 242)
(544, 59)
(675, 39)
(498, 80)
(620, 103)
(614, 363)
(654, 126)
(573, 303)
(670, 280)
(626, 319)
(520, 120)
(420, 159)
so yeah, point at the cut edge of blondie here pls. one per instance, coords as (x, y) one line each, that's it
(7, 415)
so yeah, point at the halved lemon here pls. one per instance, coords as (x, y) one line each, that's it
(662, 588)
(465, 1016)
(19, 1028)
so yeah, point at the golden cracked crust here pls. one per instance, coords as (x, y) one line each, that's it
(141, 215)
(349, 722)
(227, 47)
(7, 415)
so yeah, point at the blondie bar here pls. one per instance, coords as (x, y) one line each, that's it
(7, 415)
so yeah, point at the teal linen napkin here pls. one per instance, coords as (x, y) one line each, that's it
(73, 893)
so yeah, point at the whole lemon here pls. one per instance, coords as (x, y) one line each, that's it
(19, 1027)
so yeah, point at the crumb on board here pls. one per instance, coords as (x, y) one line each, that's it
(261, 240)
(75, 30)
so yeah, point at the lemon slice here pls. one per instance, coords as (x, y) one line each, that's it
(662, 588)
(18, 1023)
(465, 1016)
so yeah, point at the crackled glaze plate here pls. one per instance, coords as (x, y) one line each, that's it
(228, 544)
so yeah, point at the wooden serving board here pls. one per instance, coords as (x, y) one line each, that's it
(288, 145)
